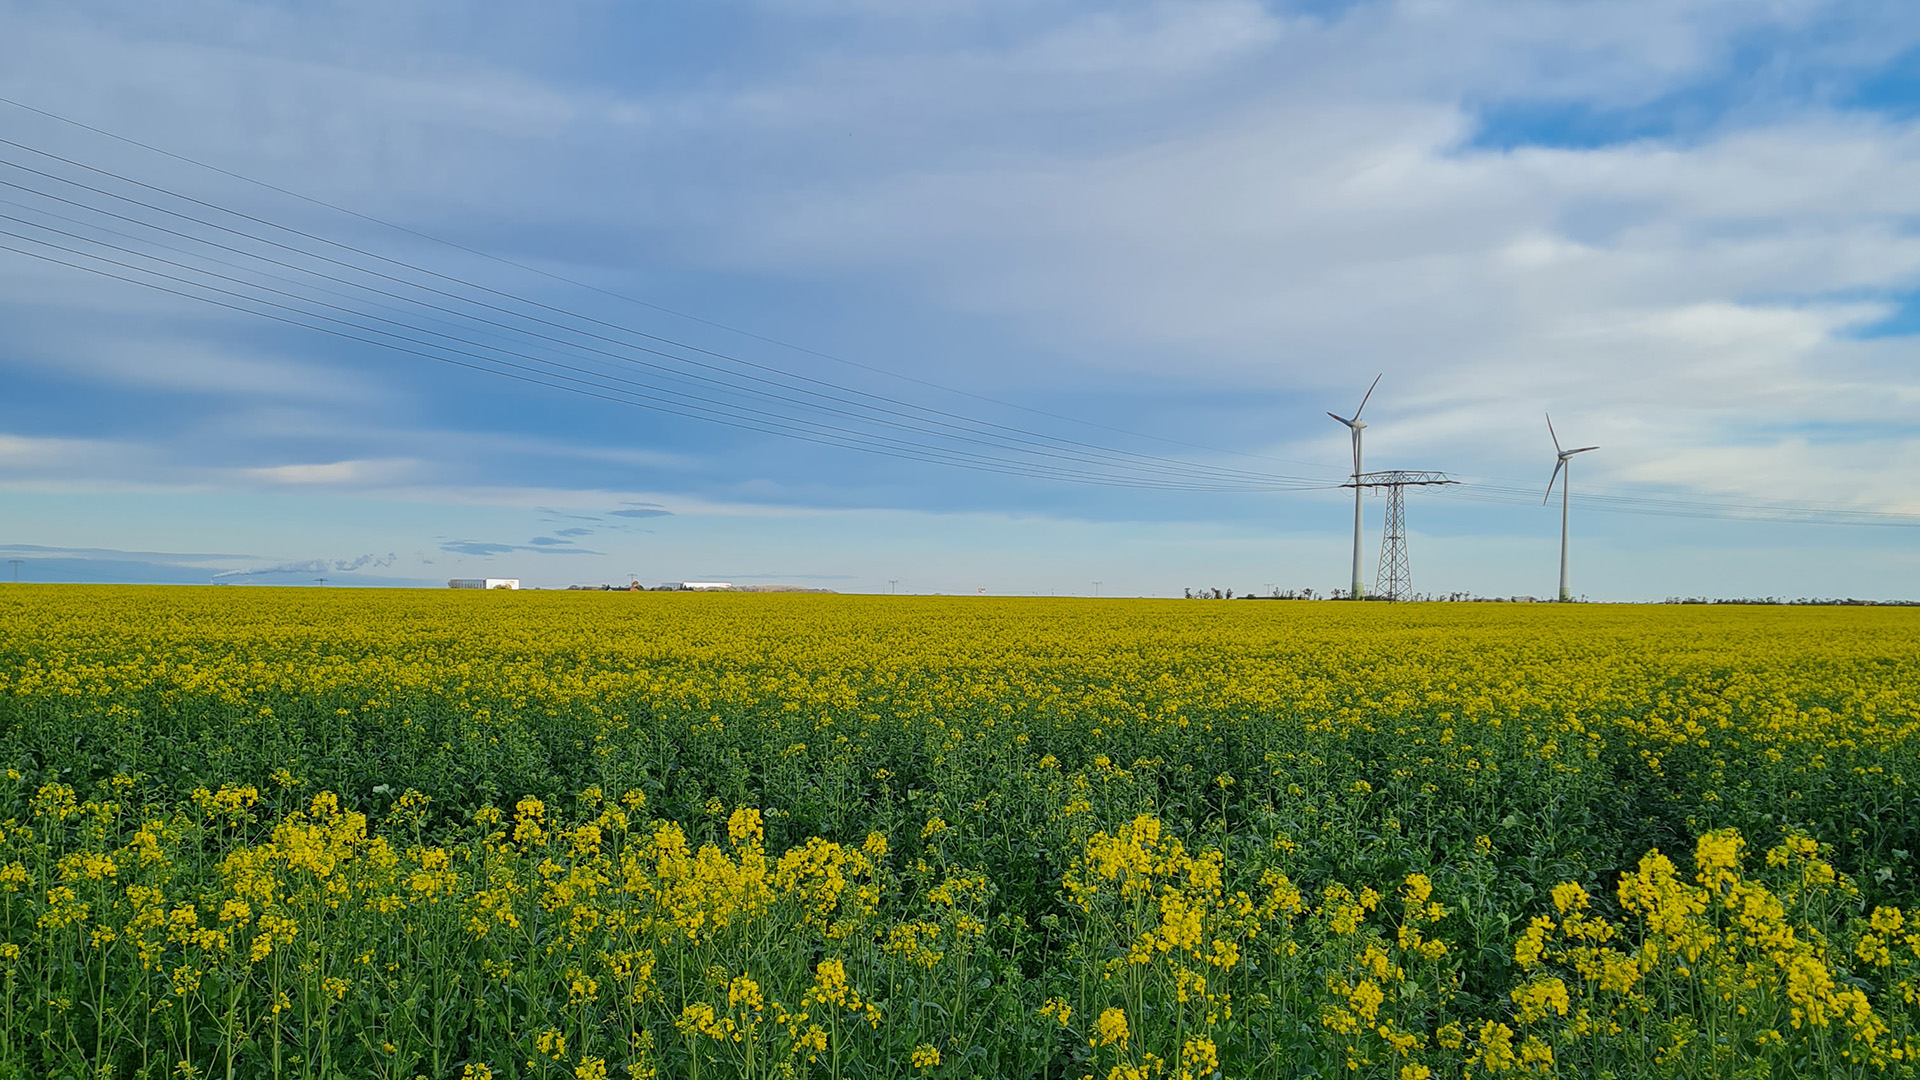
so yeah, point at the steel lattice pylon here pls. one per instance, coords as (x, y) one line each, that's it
(1395, 579)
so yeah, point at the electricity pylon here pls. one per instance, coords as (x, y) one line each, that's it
(1395, 578)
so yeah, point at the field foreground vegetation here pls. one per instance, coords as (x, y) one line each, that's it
(308, 833)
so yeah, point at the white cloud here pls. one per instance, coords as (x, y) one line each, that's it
(537, 497)
(334, 472)
(41, 454)
(201, 367)
(1665, 297)
(1172, 39)
(314, 566)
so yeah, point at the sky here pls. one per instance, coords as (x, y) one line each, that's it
(1170, 236)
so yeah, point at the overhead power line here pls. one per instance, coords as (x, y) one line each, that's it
(627, 297)
(589, 388)
(1479, 491)
(700, 406)
(761, 382)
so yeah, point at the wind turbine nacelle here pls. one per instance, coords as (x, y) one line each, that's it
(1356, 424)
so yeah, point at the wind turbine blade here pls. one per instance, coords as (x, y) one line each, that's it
(1363, 400)
(1557, 466)
(1551, 435)
(1582, 450)
(1342, 419)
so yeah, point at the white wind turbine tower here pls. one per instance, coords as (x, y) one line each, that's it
(1357, 425)
(1560, 463)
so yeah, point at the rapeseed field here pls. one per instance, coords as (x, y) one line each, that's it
(308, 833)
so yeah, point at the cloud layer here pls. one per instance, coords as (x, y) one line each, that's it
(1690, 229)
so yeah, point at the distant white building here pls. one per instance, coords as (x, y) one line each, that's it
(704, 586)
(484, 583)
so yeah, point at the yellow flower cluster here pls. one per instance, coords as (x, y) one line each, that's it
(1735, 954)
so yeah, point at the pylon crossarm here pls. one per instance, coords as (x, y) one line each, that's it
(1400, 478)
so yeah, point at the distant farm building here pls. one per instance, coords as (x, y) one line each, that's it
(700, 586)
(484, 583)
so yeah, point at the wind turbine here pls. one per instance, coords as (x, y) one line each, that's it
(1357, 425)
(1559, 464)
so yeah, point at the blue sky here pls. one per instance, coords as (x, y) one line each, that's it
(1689, 229)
